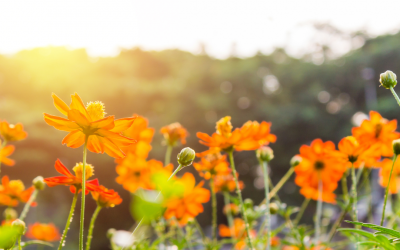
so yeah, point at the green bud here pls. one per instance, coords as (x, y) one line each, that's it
(186, 157)
(248, 203)
(19, 225)
(396, 146)
(388, 79)
(295, 161)
(39, 183)
(10, 214)
(273, 208)
(265, 154)
(110, 232)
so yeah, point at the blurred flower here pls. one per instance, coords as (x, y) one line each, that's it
(105, 197)
(226, 183)
(11, 132)
(104, 133)
(275, 241)
(238, 231)
(190, 203)
(123, 238)
(4, 152)
(7, 222)
(211, 165)
(377, 131)
(135, 172)
(386, 166)
(45, 232)
(259, 132)
(231, 208)
(11, 192)
(73, 181)
(317, 165)
(174, 132)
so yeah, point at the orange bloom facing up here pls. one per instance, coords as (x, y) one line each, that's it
(11, 132)
(103, 133)
(135, 172)
(260, 132)
(379, 131)
(45, 232)
(173, 133)
(105, 197)
(225, 139)
(4, 153)
(211, 165)
(386, 166)
(226, 183)
(318, 165)
(190, 203)
(73, 181)
(12, 192)
(238, 232)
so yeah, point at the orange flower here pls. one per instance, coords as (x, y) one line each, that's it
(190, 203)
(384, 173)
(73, 181)
(103, 133)
(352, 152)
(174, 132)
(211, 165)
(232, 208)
(135, 172)
(45, 232)
(4, 152)
(238, 231)
(11, 192)
(12, 132)
(378, 131)
(275, 241)
(318, 164)
(105, 197)
(226, 183)
(259, 132)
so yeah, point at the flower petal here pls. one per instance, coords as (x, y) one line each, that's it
(74, 139)
(60, 123)
(105, 123)
(76, 103)
(62, 169)
(78, 117)
(60, 104)
(123, 124)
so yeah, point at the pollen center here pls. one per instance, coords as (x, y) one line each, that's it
(16, 186)
(224, 126)
(96, 110)
(378, 129)
(78, 170)
(319, 165)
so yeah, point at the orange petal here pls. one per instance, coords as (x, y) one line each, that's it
(7, 150)
(62, 169)
(105, 123)
(76, 103)
(7, 161)
(60, 105)
(60, 123)
(76, 116)
(123, 124)
(74, 139)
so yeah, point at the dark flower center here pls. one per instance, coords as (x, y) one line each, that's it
(318, 165)
(352, 158)
(378, 129)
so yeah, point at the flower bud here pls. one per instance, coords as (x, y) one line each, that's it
(396, 146)
(110, 232)
(388, 79)
(186, 157)
(39, 183)
(248, 203)
(265, 154)
(295, 161)
(10, 214)
(273, 208)
(19, 225)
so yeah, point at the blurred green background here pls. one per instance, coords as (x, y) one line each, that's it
(303, 100)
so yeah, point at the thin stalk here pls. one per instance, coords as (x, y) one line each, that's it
(344, 186)
(229, 214)
(83, 194)
(189, 237)
(390, 176)
(214, 210)
(91, 226)
(28, 204)
(279, 185)
(267, 213)
(1, 147)
(395, 95)
(168, 155)
(203, 236)
(19, 242)
(246, 222)
(71, 213)
(319, 213)
(369, 192)
(354, 192)
(301, 211)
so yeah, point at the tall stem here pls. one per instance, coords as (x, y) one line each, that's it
(395, 95)
(369, 193)
(71, 213)
(354, 192)
(3, 144)
(229, 213)
(390, 177)
(28, 204)
(267, 212)
(168, 155)
(319, 213)
(301, 211)
(19, 242)
(83, 194)
(92, 221)
(278, 186)
(214, 210)
(344, 186)
(246, 222)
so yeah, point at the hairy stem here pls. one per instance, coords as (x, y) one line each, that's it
(344, 186)
(279, 185)
(267, 198)
(395, 95)
(354, 192)
(28, 204)
(301, 211)
(388, 184)
(319, 213)
(83, 194)
(168, 155)
(214, 210)
(91, 226)
(71, 213)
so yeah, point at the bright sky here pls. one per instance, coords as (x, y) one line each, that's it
(103, 27)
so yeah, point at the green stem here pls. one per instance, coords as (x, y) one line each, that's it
(344, 186)
(319, 213)
(369, 193)
(168, 155)
(71, 213)
(395, 95)
(90, 233)
(264, 165)
(214, 210)
(83, 194)
(28, 204)
(229, 213)
(1, 147)
(19, 243)
(388, 184)
(246, 222)
(278, 186)
(301, 211)
(203, 236)
(354, 192)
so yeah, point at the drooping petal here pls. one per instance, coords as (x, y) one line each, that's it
(123, 124)
(94, 144)
(110, 148)
(117, 139)
(105, 123)
(7, 150)
(74, 139)
(60, 123)
(60, 104)
(62, 169)
(78, 117)
(7, 161)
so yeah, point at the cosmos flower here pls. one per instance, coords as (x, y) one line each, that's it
(173, 133)
(105, 197)
(11, 132)
(238, 231)
(211, 165)
(45, 232)
(260, 132)
(12, 192)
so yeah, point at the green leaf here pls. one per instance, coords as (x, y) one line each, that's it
(384, 230)
(144, 206)
(8, 236)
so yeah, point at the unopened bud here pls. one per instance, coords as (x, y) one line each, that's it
(248, 203)
(265, 154)
(110, 232)
(273, 208)
(186, 157)
(396, 146)
(10, 214)
(295, 161)
(19, 225)
(388, 79)
(39, 183)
